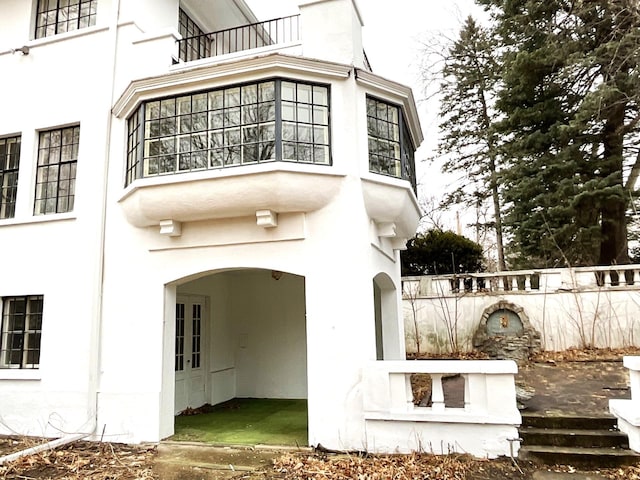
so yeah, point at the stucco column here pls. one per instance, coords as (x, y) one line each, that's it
(332, 30)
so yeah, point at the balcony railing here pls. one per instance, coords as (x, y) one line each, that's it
(237, 39)
(565, 279)
(489, 415)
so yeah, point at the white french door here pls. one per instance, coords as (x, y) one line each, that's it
(189, 354)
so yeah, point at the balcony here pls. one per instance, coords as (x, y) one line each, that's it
(279, 31)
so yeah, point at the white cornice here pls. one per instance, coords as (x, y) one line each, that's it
(389, 87)
(188, 78)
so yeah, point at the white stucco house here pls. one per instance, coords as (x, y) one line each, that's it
(189, 217)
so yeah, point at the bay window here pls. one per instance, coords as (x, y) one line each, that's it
(274, 120)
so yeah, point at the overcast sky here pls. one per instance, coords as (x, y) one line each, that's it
(393, 30)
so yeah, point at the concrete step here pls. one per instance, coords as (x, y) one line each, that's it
(579, 456)
(198, 461)
(536, 420)
(563, 437)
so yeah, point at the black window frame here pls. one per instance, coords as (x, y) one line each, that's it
(9, 171)
(309, 129)
(21, 332)
(54, 17)
(387, 160)
(195, 43)
(56, 170)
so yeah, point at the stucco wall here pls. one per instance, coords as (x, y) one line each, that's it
(54, 255)
(601, 318)
(111, 286)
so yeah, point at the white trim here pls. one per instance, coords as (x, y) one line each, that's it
(157, 35)
(185, 80)
(59, 37)
(241, 54)
(50, 217)
(240, 171)
(20, 374)
(486, 367)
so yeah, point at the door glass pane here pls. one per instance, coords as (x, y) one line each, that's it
(196, 324)
(179, 361)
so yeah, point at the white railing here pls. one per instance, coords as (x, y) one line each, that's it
(487, 422)
(556, 279)
(628, 411)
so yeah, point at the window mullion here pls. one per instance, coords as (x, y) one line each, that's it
(141, 142)
(278, 126)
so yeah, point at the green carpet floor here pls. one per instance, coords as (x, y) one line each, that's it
(247, 421)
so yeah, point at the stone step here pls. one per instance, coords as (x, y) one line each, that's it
(536, 420)
(562, 437)
(579, 456)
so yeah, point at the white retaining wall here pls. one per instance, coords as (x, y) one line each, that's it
(568, 307)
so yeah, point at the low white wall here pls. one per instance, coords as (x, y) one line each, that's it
(628, 411)
(567, 309)
(485, 427)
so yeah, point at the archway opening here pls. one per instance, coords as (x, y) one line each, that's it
(240, 358)
(389, 331)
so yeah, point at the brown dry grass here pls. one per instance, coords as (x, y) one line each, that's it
(80, 461)
(374, 467)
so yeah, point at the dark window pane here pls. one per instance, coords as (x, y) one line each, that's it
(9, 163)
(20, 339)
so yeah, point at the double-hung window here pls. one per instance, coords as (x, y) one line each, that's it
(274, 120)
(391, 151)
(9, 161)
(56, 172)
(59, 16)
(21, 331)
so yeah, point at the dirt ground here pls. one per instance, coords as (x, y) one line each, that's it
(575, 381)
(94, 461)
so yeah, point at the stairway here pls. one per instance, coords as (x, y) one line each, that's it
(575, 440)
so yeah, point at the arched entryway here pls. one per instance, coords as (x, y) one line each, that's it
(389, 331)
(237, 334)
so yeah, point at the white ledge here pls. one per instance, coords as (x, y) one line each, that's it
(208, 195)
(632, 363)
(19, 374)
(452, 415)
(487, 367)
(53, 217)
(392, 201)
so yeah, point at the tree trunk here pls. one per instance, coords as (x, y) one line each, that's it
(613, 246)
(498, 217)
(495, 195)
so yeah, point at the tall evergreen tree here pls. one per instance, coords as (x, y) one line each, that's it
(570, 100)
(468, 143)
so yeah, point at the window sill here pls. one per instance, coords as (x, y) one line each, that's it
(54, 217)
(19, 374)
(60, 37)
